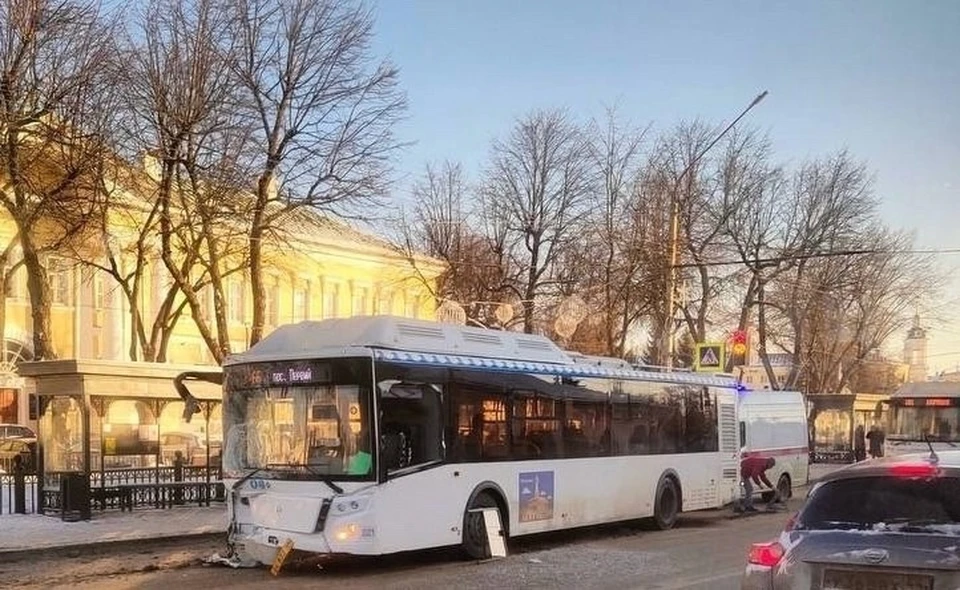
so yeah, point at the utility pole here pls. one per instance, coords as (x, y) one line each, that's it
(669, 329)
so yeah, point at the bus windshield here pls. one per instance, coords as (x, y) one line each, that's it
(302, 420)
(938, 423)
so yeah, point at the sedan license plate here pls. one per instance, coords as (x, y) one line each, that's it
(858, 580)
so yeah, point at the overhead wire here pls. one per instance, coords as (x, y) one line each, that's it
(813, 255)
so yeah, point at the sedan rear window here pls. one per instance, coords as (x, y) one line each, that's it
(885, 503)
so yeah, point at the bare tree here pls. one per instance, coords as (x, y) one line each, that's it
(184, 105)
(56, 59)
(705, 185)
(843, 309)
(533, 194)
(780, 222)
(439, 226)
(125, 245)
(612, 265)
(324, 112)
(440, 218)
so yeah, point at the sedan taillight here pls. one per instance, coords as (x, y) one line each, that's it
(765, 554)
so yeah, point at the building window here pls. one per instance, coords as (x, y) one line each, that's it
(204, 301)
(384, 304)
(99, 292)
(61, 281)
(9, 411)
(272, 302)
(236, 310)
(301, 301)
(331, 301)
(412, 308)
(359, 301)
(14, 285)
(99, 302)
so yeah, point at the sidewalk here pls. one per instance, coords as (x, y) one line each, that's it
(22, 532)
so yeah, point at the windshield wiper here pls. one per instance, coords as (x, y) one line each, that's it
(308, 468)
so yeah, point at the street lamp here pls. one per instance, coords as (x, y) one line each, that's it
(675, 232)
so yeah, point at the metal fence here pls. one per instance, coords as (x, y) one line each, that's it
(122, 489)
(11, 493)
(140, 475)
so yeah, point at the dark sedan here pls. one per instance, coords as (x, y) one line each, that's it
(883, 524)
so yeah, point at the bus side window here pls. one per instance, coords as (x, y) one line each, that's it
(743, 433)
(412, 425)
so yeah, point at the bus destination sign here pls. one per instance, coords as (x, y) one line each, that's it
(278, 374)
(295, 375)
(930, 402)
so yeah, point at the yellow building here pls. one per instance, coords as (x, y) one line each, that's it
(325, 268)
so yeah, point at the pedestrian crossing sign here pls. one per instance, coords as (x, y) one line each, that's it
(709, 357)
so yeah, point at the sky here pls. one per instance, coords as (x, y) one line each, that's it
(878, 77)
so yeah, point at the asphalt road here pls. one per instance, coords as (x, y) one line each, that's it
(705, 551)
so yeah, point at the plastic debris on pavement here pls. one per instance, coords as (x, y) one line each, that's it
(234, 561)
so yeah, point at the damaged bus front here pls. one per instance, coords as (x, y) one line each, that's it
(298, 462)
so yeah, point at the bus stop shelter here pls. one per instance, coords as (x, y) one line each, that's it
(111, 435)
(833, 419)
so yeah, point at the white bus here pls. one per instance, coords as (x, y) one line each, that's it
(922, 415)
(464, 418)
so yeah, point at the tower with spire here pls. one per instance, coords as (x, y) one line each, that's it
(915, 352)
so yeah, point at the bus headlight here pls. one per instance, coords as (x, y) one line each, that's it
(347, 532)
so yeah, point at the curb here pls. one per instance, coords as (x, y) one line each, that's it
(108, 546)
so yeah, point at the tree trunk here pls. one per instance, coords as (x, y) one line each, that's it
(608, 312)
(134, 346)
(256, 258)
(530, 293)
(256, 281)
(222, 348)
(762, 334)
(39, 288)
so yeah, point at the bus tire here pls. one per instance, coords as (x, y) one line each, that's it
(666, 505)
(473, 541)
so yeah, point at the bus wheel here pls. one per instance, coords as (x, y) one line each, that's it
(667, 504)
(474, 540)
(784, 489)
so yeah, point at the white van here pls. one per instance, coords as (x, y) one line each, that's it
(774, 424)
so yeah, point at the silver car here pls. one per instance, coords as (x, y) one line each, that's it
(883, 524)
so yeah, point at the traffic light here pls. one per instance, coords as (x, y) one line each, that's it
(739, 342)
